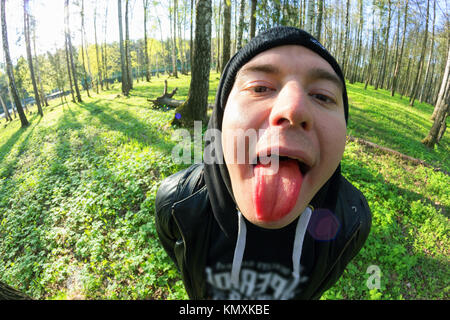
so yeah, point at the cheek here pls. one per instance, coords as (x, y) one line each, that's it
(332, 136)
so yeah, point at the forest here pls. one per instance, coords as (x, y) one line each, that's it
(87, 123)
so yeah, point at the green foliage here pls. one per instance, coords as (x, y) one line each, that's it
(77, 191)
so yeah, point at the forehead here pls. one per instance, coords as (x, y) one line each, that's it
(290, 59)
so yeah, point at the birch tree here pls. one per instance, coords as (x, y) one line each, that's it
(26, 23)
(9, 68)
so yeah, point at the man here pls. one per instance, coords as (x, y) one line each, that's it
(275, 219)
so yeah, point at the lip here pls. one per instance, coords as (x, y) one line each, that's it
(283, 151)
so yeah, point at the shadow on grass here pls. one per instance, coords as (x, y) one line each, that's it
(10, 165)
(399, 137)
(123, 121)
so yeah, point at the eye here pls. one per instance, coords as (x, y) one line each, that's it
(260, 89)
(322, 98)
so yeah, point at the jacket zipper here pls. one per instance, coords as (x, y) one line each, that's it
(184, 262)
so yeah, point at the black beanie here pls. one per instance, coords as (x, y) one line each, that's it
(216, 175)
(278, 36)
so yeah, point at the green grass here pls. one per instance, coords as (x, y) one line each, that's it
(77, 190)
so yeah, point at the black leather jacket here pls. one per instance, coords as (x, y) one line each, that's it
(184, 219)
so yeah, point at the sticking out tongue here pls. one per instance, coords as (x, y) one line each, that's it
(275, 192)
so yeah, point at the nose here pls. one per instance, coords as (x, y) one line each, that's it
(292, 107)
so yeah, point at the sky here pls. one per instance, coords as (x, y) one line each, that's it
(50, 23)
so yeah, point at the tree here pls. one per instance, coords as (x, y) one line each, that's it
(194, 108)
(125, 87)
(69, 69)
(99, 69)
(70, 51)
(83, 37)
(372, 48)
(127, 48)
(174, 39)
(420, 64)
(381, 74)
(26, 22)
(226, 34)
(426, 87)
(5, 110)
(442, 109)
(9, 293)
(9, 69)
(241, 24)
(253, 19)
(310, 17)
(400, 56)
(319, 20)
(146, 59)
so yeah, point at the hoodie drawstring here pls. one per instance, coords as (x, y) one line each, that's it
(238, 251)
(300, 231)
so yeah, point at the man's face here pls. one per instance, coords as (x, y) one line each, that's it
(293, 98)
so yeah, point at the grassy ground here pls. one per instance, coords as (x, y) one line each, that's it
(77, 192)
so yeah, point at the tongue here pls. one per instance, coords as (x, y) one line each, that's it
(275, 192)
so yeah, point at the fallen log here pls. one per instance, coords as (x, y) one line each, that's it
(396, 153)
(165, 101)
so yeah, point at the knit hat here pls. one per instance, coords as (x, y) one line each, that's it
(216, 174)
(278, 36)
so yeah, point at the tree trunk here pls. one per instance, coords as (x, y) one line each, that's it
(194, 108)
(69, 71)
(400, 56)
(5, 110)
(420, 65)
(372, 48)
(70, 47)
(226, 34)
(344, 58)
(26, 31)
(444, 87)
(253, 19)
(129, 70)
(356, 64)
(380, 79)
(441, 110)
(125, 87)
(425, 86)
(104, 48)
(439, 125)
(9, 293)
(319, 19)
(241, 24)
(9, 68)
(174, 40)
(310, 17)
(99, 68)
(146, 59)
(38, 71)
(83, 37)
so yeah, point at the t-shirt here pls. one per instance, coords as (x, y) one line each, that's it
(266, 270)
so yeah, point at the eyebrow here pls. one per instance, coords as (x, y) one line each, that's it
(312, 74)
(322, 74)
(265, 68)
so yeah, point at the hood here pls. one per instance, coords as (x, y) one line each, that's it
(216, 174)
